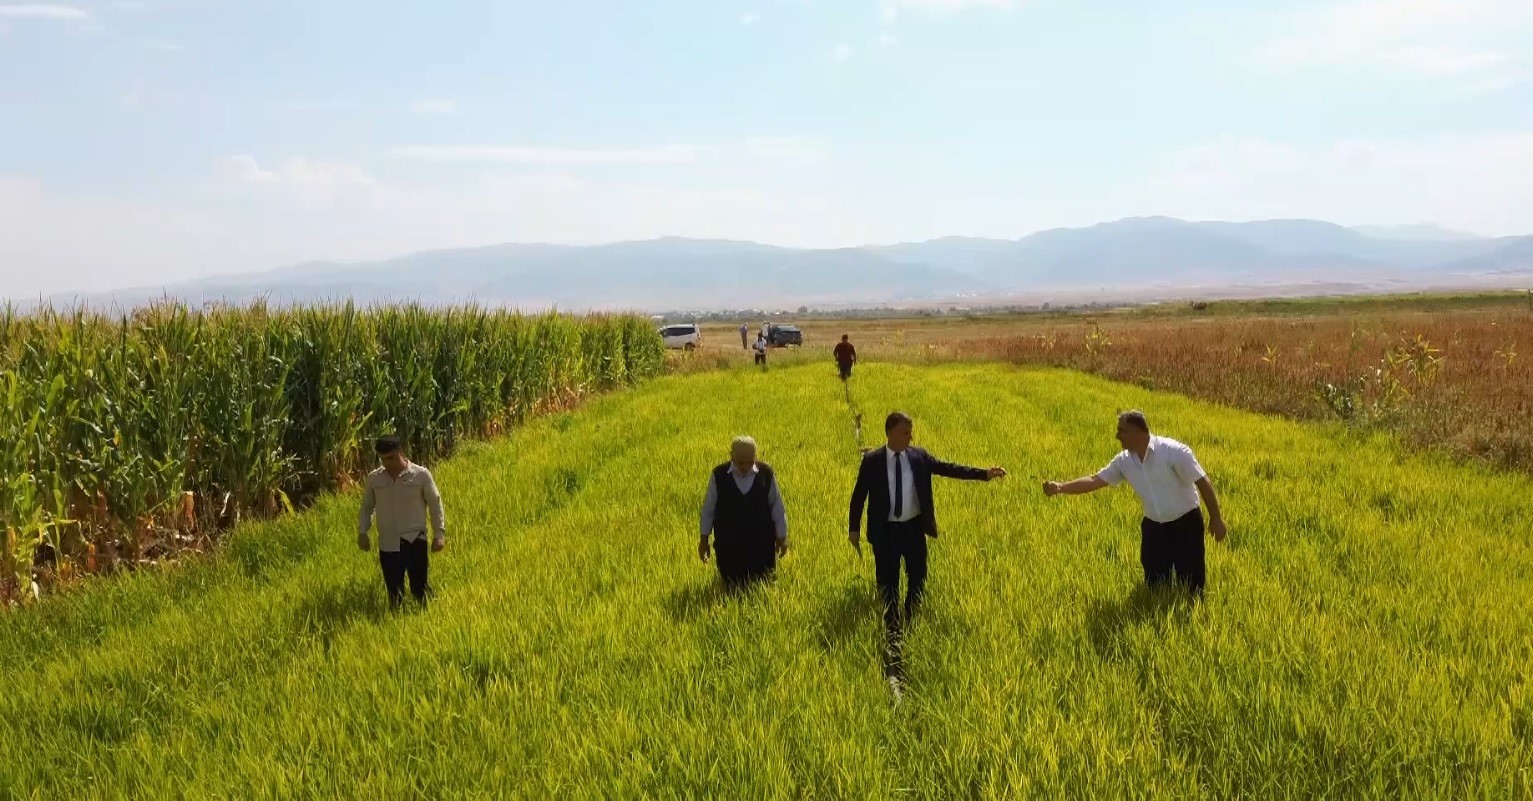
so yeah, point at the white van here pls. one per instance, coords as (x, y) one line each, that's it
(684, 336)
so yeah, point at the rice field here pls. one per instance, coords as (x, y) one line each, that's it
(1364, 633)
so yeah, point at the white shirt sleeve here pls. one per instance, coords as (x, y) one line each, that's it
(1186, 466)
(1113, 472)
(779, 514)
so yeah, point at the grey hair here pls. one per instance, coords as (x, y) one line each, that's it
(1136, 419)
(742, 440)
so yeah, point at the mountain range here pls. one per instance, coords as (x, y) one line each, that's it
(672, 273)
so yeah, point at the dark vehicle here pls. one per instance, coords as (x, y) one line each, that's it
(781, 336)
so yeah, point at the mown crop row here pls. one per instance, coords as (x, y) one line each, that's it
(132, 436)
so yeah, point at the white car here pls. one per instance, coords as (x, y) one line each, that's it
(684, 336)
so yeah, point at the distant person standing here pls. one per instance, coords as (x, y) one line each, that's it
(761, 350)
(895, 484)
(745, 332)
(846, 356)
(401, 494)
(743, 510)
(1168, 480)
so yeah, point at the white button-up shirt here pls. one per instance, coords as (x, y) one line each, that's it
(1164, 480)
(401, 505)
(911, 503)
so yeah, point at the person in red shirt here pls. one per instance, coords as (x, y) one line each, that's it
(846, 356)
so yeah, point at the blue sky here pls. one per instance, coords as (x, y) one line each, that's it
(150, 141)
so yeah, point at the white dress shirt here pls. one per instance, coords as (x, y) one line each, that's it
(744, 483)
(1164, 480)
(401, 505)
(908, 491)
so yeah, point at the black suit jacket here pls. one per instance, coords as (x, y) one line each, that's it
(872, 488)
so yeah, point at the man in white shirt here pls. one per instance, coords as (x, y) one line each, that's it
(761, 350)
(1168, 480)
(401, 494)
(743, 508)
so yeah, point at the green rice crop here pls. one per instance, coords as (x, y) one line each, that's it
(1364, 635)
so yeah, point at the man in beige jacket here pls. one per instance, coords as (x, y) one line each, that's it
(401, 494)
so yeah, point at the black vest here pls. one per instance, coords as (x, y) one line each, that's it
(745, 516)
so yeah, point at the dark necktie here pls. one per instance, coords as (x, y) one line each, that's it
(899, 487)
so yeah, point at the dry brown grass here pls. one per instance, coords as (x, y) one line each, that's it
(1459, 380)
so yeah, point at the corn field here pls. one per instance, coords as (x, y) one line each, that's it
(134, 437)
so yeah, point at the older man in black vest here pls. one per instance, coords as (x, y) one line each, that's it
(743, 510)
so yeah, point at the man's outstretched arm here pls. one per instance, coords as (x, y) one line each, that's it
(1080, 486)
(963, 472)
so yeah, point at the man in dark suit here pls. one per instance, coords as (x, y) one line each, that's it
(895, 483)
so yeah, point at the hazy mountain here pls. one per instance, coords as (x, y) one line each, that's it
(1511, 254)
(1421, 232)
(674, 273)
(1160, 250)
(661, 273)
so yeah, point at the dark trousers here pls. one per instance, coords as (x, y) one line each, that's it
(745, 559)
(846, 370)
(412, 558)
(1176, 545)
(761, 359)
(900, 542)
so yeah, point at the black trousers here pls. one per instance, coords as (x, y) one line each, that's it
(900, 542)
(742, 559)
(412, 558)
(761, 358)
(1176, 545)
(846, 370)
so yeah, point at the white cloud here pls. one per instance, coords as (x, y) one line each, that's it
(888, 39)
(48, 12)
(944, 5)
(438, 106)
(669, 154)
(318, 185)
(265, 214)
(750, 18)
(842, 52)
(1480, 182)
(1478, 44)
(42, 249)
(788, 148)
